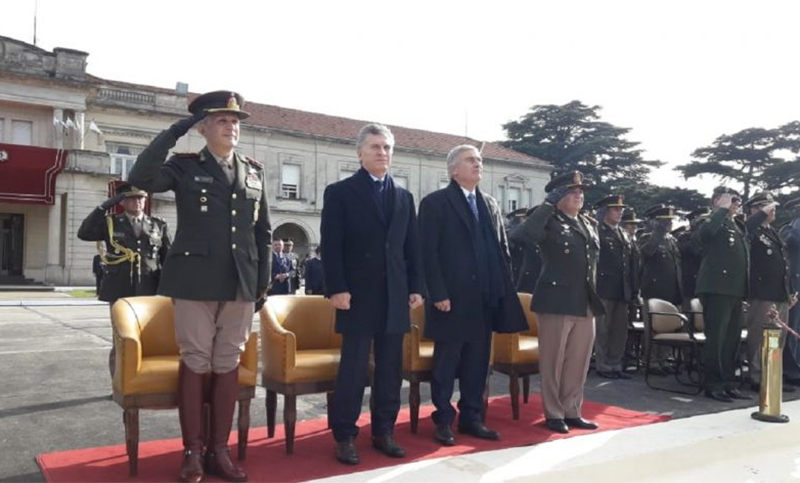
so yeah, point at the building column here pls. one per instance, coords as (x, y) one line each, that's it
(58, 129)
(79, 121)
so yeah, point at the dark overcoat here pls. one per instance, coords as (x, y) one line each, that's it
(372, 256)
(447, 232)
(223, 241)
(614, 265)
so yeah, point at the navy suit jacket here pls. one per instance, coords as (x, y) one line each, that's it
(371, 255)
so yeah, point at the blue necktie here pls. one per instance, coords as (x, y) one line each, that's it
(472, 205)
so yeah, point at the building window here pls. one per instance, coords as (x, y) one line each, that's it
(22, 132)
(290, 181)
(401, 181)
(122, 159)
(513, 199)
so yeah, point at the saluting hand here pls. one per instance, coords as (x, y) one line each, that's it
(415, 300)
(341, 301)
(180, 128)
(724, 201)
(769, 208)
(443, 306)
(111, 202)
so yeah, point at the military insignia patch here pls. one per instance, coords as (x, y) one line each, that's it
(252, 180)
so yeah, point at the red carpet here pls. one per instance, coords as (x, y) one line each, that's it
(313, 450)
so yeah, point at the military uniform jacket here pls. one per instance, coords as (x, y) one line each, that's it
(614, 265)
(769, 265)
(691, 257)
(373, 256)
(531, 261)
(790, 233)
(661, 267)
(448, 233)
(222, 244)
(569, 250)
(130, 278)
(725, 267)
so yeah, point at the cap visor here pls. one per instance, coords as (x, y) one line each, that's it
(240, 114)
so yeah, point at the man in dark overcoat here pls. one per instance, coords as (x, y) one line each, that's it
(373, 278)
(470, 292)
(315, 274)
(217, 268)
(565, 300)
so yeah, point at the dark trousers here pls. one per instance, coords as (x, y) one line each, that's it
(723, 319)
(352, 379)
(469, 361)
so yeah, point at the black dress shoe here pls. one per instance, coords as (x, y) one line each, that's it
(557, 425)
(346, 452)
(386, 445)
(621, 375)
(608, 374)
(478, 430)
(444, 435)
(580, 423)
(736, 394)
(719, 396)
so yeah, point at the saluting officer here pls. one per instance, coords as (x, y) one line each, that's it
(722, 286)
(136, 246)
(661, 270)
(769, 280)
(630, 223)
(217, 268)
(614, 287)
(531, 258)
(565, 299)
(691, 255)
(517, 250)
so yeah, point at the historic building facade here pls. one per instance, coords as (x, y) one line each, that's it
(65, 135)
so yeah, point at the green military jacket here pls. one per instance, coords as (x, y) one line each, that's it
(725, 269)
(222, 247)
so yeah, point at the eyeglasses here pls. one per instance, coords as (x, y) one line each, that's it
(736, 199)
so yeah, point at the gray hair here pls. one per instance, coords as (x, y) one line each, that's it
(374, 129)
(454, 155)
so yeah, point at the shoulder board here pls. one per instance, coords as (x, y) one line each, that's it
(185, 155)
(591, 220)
(253, 162)
(645, 236)
(156, 218)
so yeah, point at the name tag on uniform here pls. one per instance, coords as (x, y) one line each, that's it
(203, 179)
(252, 181)
(119, 234)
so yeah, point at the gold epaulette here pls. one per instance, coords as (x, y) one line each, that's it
(253, 162)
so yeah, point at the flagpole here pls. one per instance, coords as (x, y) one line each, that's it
(35, 14)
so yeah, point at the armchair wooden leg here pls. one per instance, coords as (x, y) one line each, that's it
(526, 388)
(130, 418)
(413, 404)
(272, 406)
(289, 419)
(244, 427)
(485, 405)
(513, 381)
(329, 397)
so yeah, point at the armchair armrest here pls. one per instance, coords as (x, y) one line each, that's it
(127, 340)
(685, 325)
(249, 358)
(279, 346)
(411, 347)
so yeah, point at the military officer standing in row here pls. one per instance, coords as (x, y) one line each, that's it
(790, 233)
(691, 256)
(136, 247)
(614, 287)
(722, 286)
(769, 281)
(661, 271)
(531, 258)
(565, 300)
(217, 268)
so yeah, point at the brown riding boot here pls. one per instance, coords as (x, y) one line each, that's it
(223, 403)
(190, 413)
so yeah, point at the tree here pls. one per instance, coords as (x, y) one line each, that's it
(642, 196)
(572, 137)
(751, 157)
(787, 174)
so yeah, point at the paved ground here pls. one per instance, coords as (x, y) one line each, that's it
(55, 383)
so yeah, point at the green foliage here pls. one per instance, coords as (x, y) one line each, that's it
(572, 137)
(755, 157)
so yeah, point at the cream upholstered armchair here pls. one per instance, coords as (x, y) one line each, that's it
(146, 373)
(517, 355)
(300, 354)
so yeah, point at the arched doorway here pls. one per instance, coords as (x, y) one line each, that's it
(297, 234)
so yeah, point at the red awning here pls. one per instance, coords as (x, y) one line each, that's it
(28, 173)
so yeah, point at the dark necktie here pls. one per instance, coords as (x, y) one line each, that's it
(473, 205)
(137, 226)
(380, 194)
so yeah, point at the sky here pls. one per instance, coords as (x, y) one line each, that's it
(678, 73)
